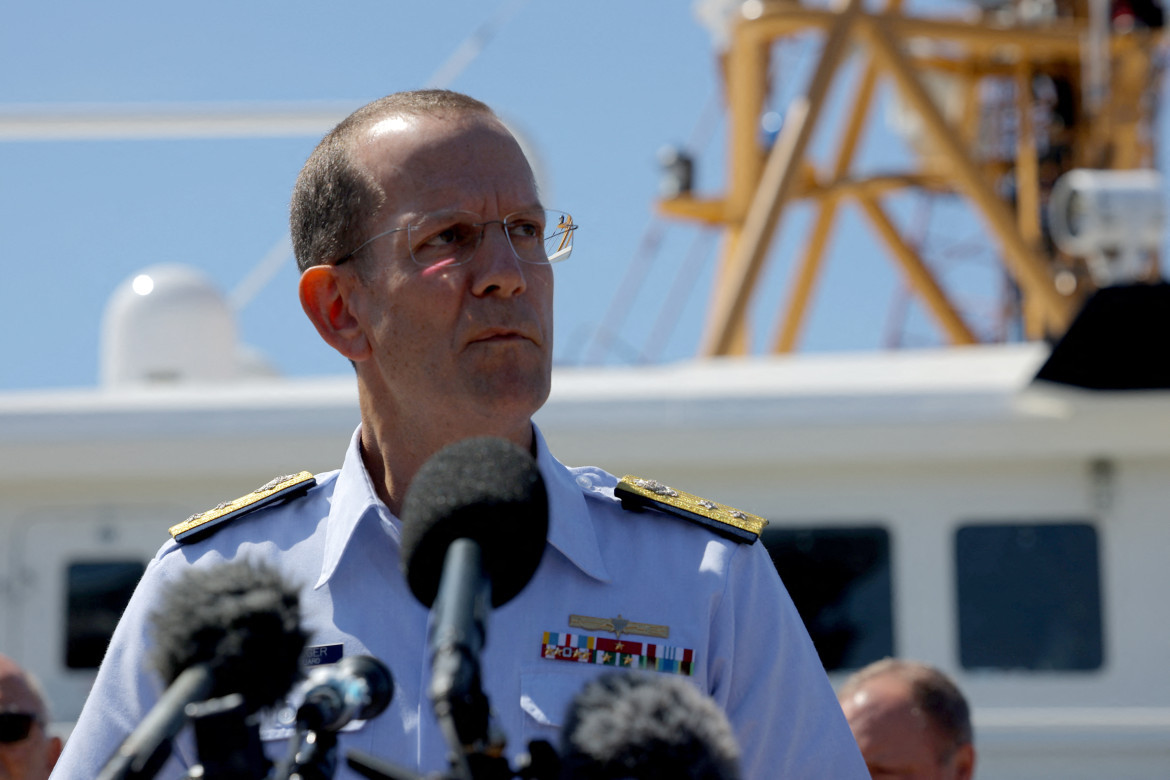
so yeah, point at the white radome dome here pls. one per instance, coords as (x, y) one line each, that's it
(166, 324)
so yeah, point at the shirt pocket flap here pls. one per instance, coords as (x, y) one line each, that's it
(545, 696)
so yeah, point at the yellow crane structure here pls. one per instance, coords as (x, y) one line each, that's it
(1100, 72)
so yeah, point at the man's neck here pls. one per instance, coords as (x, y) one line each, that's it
(394, 451)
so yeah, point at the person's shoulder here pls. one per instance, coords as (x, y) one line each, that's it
(288, 493)
(639, 495)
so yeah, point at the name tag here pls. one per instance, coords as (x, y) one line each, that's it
(319, 655)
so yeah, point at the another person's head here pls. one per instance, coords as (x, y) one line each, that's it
(629, 726)
(910, 720)
(27, 752)
(419, 231)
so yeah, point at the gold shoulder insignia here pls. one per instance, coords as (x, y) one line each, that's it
(637, 493)
(200, 525)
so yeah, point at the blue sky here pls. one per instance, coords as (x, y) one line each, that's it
(596, 87)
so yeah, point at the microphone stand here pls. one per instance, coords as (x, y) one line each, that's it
(457, 635)
(314, 755)
(147, 748)
(456, 692)
(228, 741)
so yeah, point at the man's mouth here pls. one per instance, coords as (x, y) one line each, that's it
(492, 335)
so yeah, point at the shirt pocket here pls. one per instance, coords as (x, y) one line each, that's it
(545, 697)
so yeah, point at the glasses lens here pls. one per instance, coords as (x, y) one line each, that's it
(15, 726)
(541, 237)
(558, 236)
(451, 238)
(447, 239)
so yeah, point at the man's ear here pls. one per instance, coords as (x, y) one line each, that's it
(325, 297)
(53, 752)
(965, 762)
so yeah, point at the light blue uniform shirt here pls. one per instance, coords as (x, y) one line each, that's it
(720, 600)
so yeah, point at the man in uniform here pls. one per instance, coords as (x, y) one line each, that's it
(425, 256)
(911, 721)
(27, 751)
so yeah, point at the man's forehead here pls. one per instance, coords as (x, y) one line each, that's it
(429, 161)
(14, 691)
(408, 135)
(882, 699)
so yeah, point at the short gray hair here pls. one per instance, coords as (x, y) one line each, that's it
(933, 692)
(334, 195)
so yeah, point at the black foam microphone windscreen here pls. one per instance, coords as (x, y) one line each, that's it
(221, 630)
(643, 726)
(240, 619)
(485, 489)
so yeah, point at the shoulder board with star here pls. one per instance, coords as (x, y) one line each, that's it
(636, 493)
(201, 525)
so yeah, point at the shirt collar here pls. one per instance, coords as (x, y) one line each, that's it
(353, 496)
(570, 527)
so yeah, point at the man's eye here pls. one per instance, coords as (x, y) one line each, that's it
(454, 235)
(524, 230)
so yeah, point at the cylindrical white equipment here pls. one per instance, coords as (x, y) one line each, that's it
(1113, 219)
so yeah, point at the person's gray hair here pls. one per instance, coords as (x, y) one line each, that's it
(44, 708)
(334, 196)
(933, 692)
(41, 704)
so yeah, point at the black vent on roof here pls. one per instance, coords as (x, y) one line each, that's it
(1119, 341)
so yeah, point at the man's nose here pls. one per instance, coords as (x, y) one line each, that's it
(497, 268)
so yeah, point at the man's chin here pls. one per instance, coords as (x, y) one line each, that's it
(510, 395)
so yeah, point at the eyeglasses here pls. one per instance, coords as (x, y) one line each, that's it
(15, 726)
(537, 236)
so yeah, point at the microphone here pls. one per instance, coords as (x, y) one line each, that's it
(227, 629)
(357, 687)
(625, 725)
(474, 524)
(484, 489)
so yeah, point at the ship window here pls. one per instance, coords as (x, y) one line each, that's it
(1029, 596)
(839, 579)
(96, 595)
